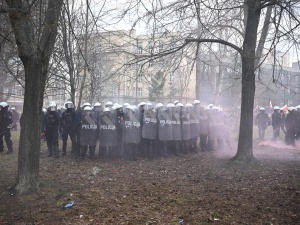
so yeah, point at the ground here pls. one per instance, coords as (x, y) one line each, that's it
(198, 188)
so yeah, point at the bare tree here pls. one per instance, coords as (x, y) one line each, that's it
(34, 25)
(200, 22)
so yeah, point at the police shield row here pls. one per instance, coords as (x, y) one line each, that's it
(286, 119)
(130, 131)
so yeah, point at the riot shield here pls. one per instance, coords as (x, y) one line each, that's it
(194, 122)
(203, 122)
(176, 124)
(132, 126)
(88, 130)
(149, 124)
(164, 124)
(185, 128)
(107, 129)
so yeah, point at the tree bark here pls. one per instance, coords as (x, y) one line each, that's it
(35, 54)
(245, 145)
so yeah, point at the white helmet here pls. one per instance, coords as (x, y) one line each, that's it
(291, 108)
(196, 102)
(188, 105)
(179, 104)
(52, 104)
(86, 104)
(141, 104)
(210, 105)
(106, 109)
(158, 105)
(88, 108)
(117, 106)
(44, 110)
(125, 105)
(176, 102)
(262, 109)
(69, 105)
(97, 104)
(276, 107)
(13, 108)
(3, 104)
(109, 103)
(170, 105)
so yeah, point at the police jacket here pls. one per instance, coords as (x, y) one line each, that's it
(51, 120)
(5, 118)
(276, 119)
(68, 118)
(262, 120)
(290, 121)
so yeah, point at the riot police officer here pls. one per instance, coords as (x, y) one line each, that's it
(261, 121)
(276, 123)
(6, 123)
(51, 123)
(88, 132)
(67, 126)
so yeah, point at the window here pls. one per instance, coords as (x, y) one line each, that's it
(150, 47)
(288, 77)
(297, 90)
(140, 76)
(149, 77)
(139, 92)
(139, 48)
(297, 78)
(127, 90)
(289, 91)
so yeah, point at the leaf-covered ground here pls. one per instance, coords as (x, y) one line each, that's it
(198, 188)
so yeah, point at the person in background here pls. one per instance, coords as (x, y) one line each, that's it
(276, 123)
(262, 120)
(51, 123)
(6, 123)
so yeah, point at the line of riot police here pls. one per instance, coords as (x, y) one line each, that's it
(132, 131)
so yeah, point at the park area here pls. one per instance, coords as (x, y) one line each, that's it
(197, 188)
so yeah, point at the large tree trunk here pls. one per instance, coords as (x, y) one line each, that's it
(35, 52)
(245, 146)
(29, 146)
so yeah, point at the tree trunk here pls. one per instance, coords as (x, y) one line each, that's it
(245, 146)
(35, 54)
(30, 141)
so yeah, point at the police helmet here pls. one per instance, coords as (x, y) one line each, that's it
(291, 108)
(86, 104)
(13, 108)
(88, 108)
(276, 107)
(106, 109)
(179, 104)
(69, 105)
(109, 104)
(117, 106)
(196, 102)
(158, 105)
(97, 104)
(188, 105)
(170, 105)
(141, 104)
(3, 104)
(211, 105)
(262, 109)
(52, 106)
